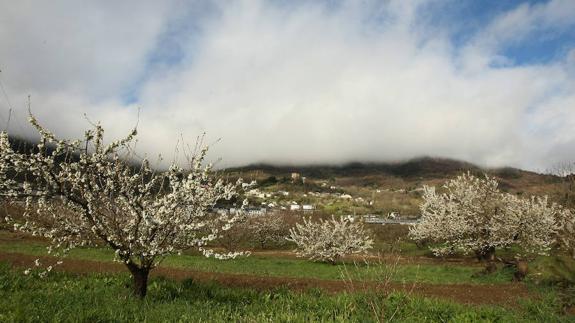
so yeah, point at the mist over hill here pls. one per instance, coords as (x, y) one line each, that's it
(422, 167)
(367, 187)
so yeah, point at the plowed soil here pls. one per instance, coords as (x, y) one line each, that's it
(390, 258)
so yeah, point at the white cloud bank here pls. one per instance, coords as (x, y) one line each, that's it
(294, 83)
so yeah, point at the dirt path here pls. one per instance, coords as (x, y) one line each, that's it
(496, 294)
(387, 258)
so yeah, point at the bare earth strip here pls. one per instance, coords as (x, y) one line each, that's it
(390, 257)
(496, 294)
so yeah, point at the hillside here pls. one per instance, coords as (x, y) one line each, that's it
(379, 188)
(420, 167)
(374, 188)
(405, 174)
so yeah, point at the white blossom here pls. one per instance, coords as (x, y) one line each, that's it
(84, 192)
(474, 216)
(565, 221)
(267, 229)
(329, 240)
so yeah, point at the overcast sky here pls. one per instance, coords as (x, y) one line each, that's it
(300, 82)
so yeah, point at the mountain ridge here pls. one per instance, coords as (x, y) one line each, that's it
(426, 167)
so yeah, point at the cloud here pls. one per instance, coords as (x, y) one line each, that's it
(296, 82)
(513, 27)
(91, 49)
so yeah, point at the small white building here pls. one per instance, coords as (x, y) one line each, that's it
(295, 207)
(307, 207)
(256, 211)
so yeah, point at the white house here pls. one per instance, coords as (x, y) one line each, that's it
(295, 207)
(306, 207)
(254, 211)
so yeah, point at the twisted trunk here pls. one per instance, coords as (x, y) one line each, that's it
(140, 280)
(521, 271)
(487, 255)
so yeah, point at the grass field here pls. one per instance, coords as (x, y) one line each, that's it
(105, 298)
(263, 287)
(297, 268)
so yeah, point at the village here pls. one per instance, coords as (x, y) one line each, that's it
(269, 200)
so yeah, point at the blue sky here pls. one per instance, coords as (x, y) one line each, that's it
(491, 82)
(464, 19)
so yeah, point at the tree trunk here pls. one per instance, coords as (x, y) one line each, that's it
(521, 272)
(140, 280)
(487, 255)
(490, 257)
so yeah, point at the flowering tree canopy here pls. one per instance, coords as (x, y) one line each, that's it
(566, 231)
(269, 229)
(566, 218)
(474, 216)
(330, 240)
(532, 223)
(85, 192)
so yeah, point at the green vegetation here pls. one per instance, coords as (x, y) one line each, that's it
(559, 269)
(105, 298)
(392, 187)
(298, 268)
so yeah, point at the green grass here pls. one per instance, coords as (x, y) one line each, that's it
(106, 298)
(555, 269)
(287, 267)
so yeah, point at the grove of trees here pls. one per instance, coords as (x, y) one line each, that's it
(85, 192)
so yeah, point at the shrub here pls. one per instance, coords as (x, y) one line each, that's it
(329, 240)
(268, 230)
